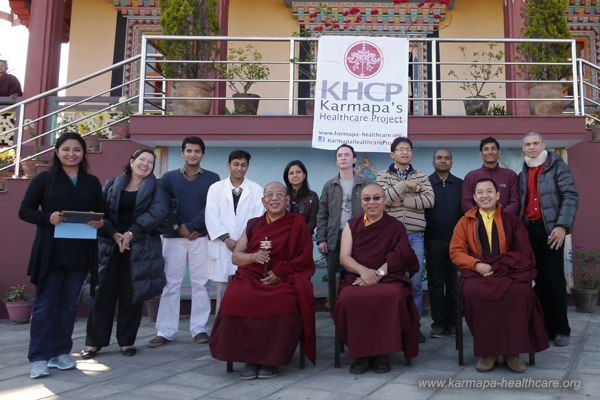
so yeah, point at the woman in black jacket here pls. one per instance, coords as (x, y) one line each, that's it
(302, 200)
(130, 266)
(58, 266)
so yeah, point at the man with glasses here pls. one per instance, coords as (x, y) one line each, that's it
(408, 193)
(375, 313)
(230, 203)
(269, 305)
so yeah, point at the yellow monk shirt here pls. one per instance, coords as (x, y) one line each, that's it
(488, 222)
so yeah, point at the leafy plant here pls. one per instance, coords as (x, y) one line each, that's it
(586, 267)
(592, 119)
(498, 110)
(15, 294)
(7, 157)
(245, 68)
(545, 19)
(189, 18)
(480, 70)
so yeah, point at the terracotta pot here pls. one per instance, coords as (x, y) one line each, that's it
(29, 168)
(553, 91)
(585, 300)
(192, 89)
(19, 312)
(476, 105)
(92, 143)
(120, 130)
(247, 105)
(594, 133)
(2, 185)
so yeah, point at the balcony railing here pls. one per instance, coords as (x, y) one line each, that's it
(292, 64)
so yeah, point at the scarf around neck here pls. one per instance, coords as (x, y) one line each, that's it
(536, 161)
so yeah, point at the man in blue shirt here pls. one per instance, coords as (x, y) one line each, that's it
(186, 246)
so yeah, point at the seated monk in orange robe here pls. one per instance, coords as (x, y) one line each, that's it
(492, 250)
(269, 304)
(375, 313)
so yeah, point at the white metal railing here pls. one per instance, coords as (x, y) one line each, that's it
(42, 129)
(293, 66)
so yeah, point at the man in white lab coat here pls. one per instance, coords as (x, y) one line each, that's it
(230, 203)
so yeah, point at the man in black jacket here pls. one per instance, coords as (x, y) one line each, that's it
(441, 219)
(549, 203)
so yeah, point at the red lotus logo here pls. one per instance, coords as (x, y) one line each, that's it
(363, 60)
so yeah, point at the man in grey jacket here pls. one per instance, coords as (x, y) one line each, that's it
(340, 201)
(549, 203)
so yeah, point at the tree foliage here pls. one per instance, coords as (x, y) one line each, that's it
(545, 19)
(189, 18)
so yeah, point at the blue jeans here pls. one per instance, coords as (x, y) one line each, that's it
(417, 243)
(53, 314)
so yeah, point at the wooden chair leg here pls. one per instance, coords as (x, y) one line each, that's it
(407, 361)
(532, 359)
(229, 366)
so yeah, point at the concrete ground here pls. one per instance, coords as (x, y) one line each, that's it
(185, 370)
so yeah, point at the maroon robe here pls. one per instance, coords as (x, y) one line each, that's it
(501, 310)
(382, 318)
(9, 85)
(262, 324)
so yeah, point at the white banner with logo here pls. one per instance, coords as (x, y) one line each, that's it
(361, 93)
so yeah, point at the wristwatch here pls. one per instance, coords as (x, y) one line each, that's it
(381, 273)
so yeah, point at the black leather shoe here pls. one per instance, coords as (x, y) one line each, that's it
(129, 351)
(88, 354)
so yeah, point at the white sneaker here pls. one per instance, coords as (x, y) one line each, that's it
(39, 369)
(62, 362)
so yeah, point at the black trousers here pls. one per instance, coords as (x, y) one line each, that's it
(115, 289)
(441, 282)
(550, 283)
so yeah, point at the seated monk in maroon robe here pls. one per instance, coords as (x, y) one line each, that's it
(269, 304)
(9, 84)
(498, 266)
(375, 313)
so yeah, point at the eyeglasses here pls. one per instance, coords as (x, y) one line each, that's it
(404, 149)
(279, 195)
(367, 199)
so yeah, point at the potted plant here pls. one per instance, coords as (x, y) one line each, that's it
(243, 71)
(121, 113)
(586, 278)
(31, 166)
(7, 160)
(592, 124)
(18, 304)
(477, 75)
(190, 18)
(545, 19)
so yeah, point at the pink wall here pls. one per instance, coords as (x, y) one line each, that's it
(583, 160)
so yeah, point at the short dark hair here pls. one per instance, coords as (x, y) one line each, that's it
(238, 155)
(485, 180)
(193, 140)
(399, 140)
(487, 140)
(348, 146)
(435, 153)
(134, 156)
